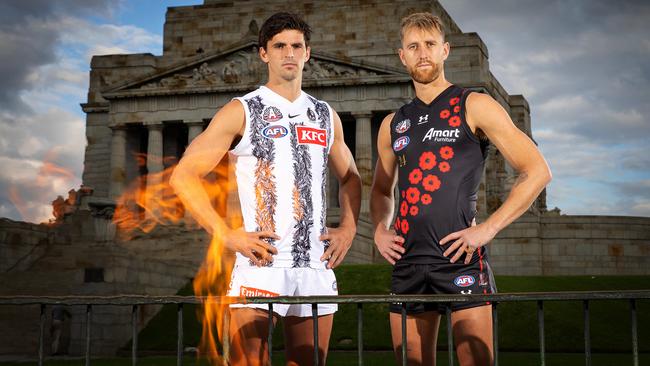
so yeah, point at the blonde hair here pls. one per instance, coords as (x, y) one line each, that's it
(422, 21)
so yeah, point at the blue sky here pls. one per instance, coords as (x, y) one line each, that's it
(582, 65)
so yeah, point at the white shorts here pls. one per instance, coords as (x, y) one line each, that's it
(249, 281)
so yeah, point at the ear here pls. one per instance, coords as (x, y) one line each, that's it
(307, 53)
(445, 51)
(263, 55)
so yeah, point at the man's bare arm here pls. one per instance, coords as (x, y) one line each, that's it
(342, 165)
(200, 158)
(382, 201)
(520, 152)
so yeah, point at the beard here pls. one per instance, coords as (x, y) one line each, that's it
(425, 76)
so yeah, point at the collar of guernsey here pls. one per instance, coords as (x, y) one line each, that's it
(280, 165)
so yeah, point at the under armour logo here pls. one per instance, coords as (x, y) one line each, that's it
(423, 119)
(468, 292)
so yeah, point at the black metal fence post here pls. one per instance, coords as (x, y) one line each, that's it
(88, 328)
(587, 333)
(360, 333)
(495, 332)
(540, 322)
(134, 335)
(41, 336)
(314, 312)
(179, 338)
(635, 340)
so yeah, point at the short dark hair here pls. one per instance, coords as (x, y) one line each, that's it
(279, 22)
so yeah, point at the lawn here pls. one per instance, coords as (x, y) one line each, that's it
(609, 321)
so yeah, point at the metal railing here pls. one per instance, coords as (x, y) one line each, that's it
(493, 299)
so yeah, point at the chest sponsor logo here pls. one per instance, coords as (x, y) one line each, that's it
(403, 126)
(311, 135)
(464, 281)
(275, 132)
(442, 135)
(423, 119)
(271, 114)
(255, 292)
(401, 143)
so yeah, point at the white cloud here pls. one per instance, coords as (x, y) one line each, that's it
(54, 130)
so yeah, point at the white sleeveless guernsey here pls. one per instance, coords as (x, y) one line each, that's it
(281, 170)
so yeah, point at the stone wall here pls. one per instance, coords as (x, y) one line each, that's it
(21, 243)
(573, 245)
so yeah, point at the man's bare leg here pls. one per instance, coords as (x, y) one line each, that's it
(421, 337)
(299, 339)
(249, 332)
(473, 335)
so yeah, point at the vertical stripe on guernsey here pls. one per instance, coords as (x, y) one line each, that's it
(264, 152)
(303, 209)
(324, 117)
(281, 169)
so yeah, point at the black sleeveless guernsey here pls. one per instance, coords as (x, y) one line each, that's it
(440, 164)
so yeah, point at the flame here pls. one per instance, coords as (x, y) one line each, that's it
(150, 201)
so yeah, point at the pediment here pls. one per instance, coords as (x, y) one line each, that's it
(240, 68)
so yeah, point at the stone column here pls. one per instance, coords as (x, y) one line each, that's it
(118, 162)
(154, 165)
(194, 129)
(363, 156)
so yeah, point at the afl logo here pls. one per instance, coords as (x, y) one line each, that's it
(275, 132)
(401, 143)
(403, 126)
(271, 114)
(464, 281)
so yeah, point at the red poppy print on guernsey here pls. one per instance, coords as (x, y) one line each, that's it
(454, 121)
(415, 176)
(444, 167)
(425, 199)
(405, 226)
(412, 195)
(427, 160)
(457, 109)
(404, 208)
(431, 183)
(414, 210)
(454, 101)
(446, 152)
(445, 114)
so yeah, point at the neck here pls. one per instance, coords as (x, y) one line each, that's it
(289, 90)
(428, 92)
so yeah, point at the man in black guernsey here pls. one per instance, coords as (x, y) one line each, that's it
(434, 148)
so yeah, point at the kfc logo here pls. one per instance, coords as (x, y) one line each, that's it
(311, 135)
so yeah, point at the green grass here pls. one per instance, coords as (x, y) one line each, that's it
(518, 332)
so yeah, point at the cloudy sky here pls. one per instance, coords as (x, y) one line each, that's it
(584, 67)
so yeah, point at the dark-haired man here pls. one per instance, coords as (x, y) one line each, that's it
(435, 148)
(282, 140)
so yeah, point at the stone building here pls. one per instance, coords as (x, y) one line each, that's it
(143, 110)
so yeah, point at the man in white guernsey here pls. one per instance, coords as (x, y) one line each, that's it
(282, 141)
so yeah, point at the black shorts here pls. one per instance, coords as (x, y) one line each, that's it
(440, 279)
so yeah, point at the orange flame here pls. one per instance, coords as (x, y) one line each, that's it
(150, 201)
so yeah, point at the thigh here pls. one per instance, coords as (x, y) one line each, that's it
(421, 337)
(472, 329)
(249, 330)
(299, 339)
